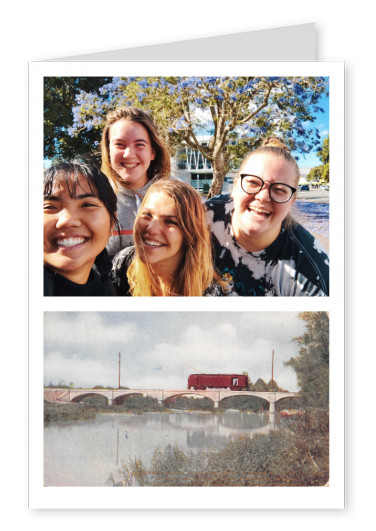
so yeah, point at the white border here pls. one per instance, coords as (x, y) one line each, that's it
(196, 497)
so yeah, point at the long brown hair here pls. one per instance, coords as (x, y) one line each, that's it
(196, 272)
(160, 167)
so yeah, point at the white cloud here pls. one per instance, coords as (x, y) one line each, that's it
(82, 372)
(87, 329)
(208, 351)
(220, 335)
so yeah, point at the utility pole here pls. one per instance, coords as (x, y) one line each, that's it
(119, 368)
(272, 370)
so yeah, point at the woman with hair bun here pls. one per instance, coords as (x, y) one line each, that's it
(134, 157)
(172, 255)
(259, 248)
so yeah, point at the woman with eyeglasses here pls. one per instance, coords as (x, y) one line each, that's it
(259, 248)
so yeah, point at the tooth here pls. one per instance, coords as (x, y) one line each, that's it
(69, 242)
(154, 244)
(260, 211)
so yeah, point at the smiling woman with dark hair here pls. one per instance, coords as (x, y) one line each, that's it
(79, 212)
(259, 248)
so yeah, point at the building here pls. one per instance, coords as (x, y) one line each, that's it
(192, 167)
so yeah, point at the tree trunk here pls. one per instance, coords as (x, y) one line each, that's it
(220, 168)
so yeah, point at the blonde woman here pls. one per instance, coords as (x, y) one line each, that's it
(134, 156)
(259, 248)
(172, 255)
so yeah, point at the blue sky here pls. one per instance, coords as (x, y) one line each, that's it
(322, 123)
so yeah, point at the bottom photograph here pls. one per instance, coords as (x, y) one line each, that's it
(135, 399)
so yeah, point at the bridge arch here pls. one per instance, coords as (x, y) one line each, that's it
(260, 400)
(128, 395)
(83, 396)
(189, 394)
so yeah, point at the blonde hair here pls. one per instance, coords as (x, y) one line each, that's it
(196, 272)
(275, 147)
(160, 167)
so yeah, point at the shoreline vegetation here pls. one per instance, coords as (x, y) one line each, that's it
(295, 455)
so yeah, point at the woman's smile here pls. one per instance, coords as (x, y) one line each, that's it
(68, 243)
(158, 236)
(257, 219)
(152, 243)
(258, 211)
(76, 230)
(131, 152)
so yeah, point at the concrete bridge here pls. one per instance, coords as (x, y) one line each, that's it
(115, 396)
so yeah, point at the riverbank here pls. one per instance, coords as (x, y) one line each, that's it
(65, 413)
(188, 449)
(296, 456)
(78, 412)
(68, 412)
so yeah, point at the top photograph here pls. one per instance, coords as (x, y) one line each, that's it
(186, 186)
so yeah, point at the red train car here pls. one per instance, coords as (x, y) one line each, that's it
(235, 382)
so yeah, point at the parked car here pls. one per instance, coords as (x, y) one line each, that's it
(325, 187)
(304, 187)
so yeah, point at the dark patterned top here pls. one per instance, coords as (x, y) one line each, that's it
(295, 264)
(122, 261)
(56, 285)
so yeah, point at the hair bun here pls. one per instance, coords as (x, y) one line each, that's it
(273, 141)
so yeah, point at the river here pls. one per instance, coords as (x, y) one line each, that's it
(88, 453)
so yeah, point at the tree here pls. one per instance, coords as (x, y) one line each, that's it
(59, 98)
(260, 385)
(312, 363)
(319, 173)
(274, 387)
(323, 155)
(315, 174)
(235, 111)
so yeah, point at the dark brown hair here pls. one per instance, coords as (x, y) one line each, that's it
(160, 167)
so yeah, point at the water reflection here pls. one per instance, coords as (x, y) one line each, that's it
(85, 453)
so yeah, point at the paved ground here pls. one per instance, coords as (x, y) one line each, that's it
(311, 209)
(315, 196)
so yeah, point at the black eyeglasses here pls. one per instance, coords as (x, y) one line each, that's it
(279, 192)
